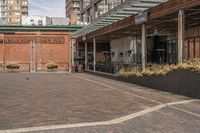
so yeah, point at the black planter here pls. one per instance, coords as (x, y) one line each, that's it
(182, 82)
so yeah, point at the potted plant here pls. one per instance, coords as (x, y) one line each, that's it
(52, 65)
(12, 66)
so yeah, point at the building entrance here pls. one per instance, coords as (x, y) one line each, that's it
(160, 50)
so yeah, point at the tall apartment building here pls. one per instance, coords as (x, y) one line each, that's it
(92, 9)
(11, 11)
(73, 11)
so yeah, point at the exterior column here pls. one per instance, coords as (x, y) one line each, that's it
(3, 49)
(181, 35)
(71, 55)
(4, 57)
(72, 50)
(34, 57)
(31, 56)
(93, 13)
(81, 5)
(81, 9)
(135, 48)
(144, 46)
(94, 54)
(86, 55)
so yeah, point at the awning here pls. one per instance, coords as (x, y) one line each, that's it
(127, 9)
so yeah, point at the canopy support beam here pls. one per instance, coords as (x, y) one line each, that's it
(181, 35)
(144, 38)
(94, 54)
(86, 55)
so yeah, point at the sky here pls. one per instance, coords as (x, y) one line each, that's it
(51, 8)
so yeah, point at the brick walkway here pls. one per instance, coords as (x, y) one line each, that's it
(39, 100)
(166, 120)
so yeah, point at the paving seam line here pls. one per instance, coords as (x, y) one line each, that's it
(185, 111)
(118, 83)
(101, 123)
(114, 88)
(143, 97)
(108, 86)
(130, 87)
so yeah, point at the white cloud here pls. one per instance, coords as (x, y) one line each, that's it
(51, 8)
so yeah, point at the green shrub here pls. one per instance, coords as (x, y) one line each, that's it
(13, 66)
(52, 65)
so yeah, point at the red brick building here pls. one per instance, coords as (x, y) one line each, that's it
(35, 45)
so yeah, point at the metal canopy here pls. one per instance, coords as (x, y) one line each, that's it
(129, 8)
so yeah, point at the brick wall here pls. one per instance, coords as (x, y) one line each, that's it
(48, 46)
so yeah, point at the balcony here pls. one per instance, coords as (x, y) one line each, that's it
(3, 9)
(24, 5)
(24, 9)
(76, 6)
(24, 13)
(3, 3)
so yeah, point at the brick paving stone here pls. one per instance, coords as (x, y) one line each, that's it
(29, 100)
(192, 107)
(45, 99)
(166, 120)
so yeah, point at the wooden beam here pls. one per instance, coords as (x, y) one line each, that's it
(171, 6)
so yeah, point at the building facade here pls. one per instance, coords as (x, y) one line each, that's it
(36, 20)
(93, 9)
(44, 21)
(33, 47)
(141, 33)
(60, 21)
(12, 11)
(73, 11)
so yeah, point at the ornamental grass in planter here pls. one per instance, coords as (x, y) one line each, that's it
(12, 66)
(156, 70)
(52, 65)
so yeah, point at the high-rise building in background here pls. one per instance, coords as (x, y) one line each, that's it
(36, 20)
(93, 9)
(11, 11)
(73, 11)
